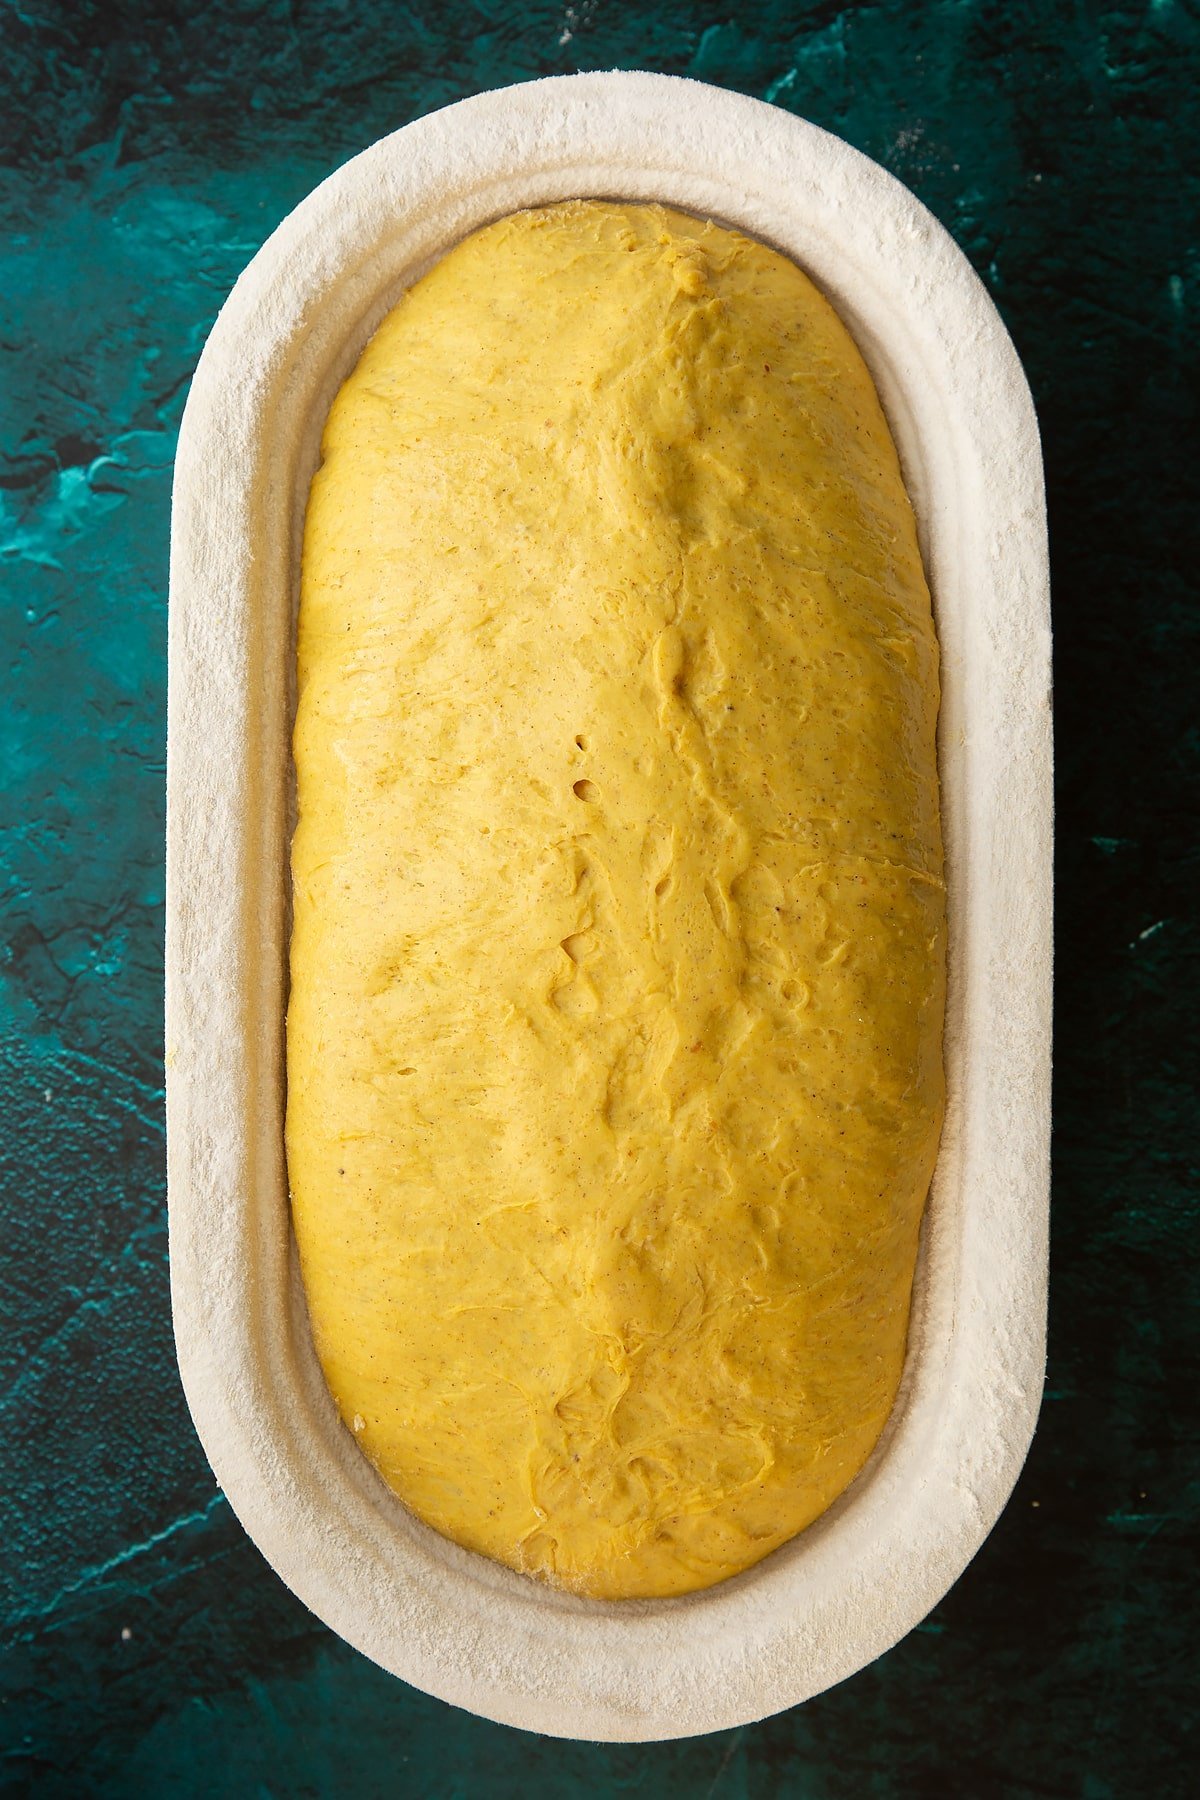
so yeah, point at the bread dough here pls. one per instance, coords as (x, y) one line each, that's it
(614, 1038)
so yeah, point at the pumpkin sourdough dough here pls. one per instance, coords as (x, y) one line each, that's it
(614, 1041)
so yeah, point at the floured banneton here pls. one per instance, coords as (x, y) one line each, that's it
(614, 1039)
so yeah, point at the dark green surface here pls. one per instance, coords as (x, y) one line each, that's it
(148, 151)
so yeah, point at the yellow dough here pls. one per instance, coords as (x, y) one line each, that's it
(614, 1040)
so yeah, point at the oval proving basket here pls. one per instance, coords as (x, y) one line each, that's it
(446, 1620)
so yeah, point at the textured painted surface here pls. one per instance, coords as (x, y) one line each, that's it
(146, 151)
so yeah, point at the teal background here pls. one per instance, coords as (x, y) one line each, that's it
(147, 150)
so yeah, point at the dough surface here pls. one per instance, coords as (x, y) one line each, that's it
(614, 1037)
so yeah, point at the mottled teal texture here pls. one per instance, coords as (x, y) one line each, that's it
(148, 150)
